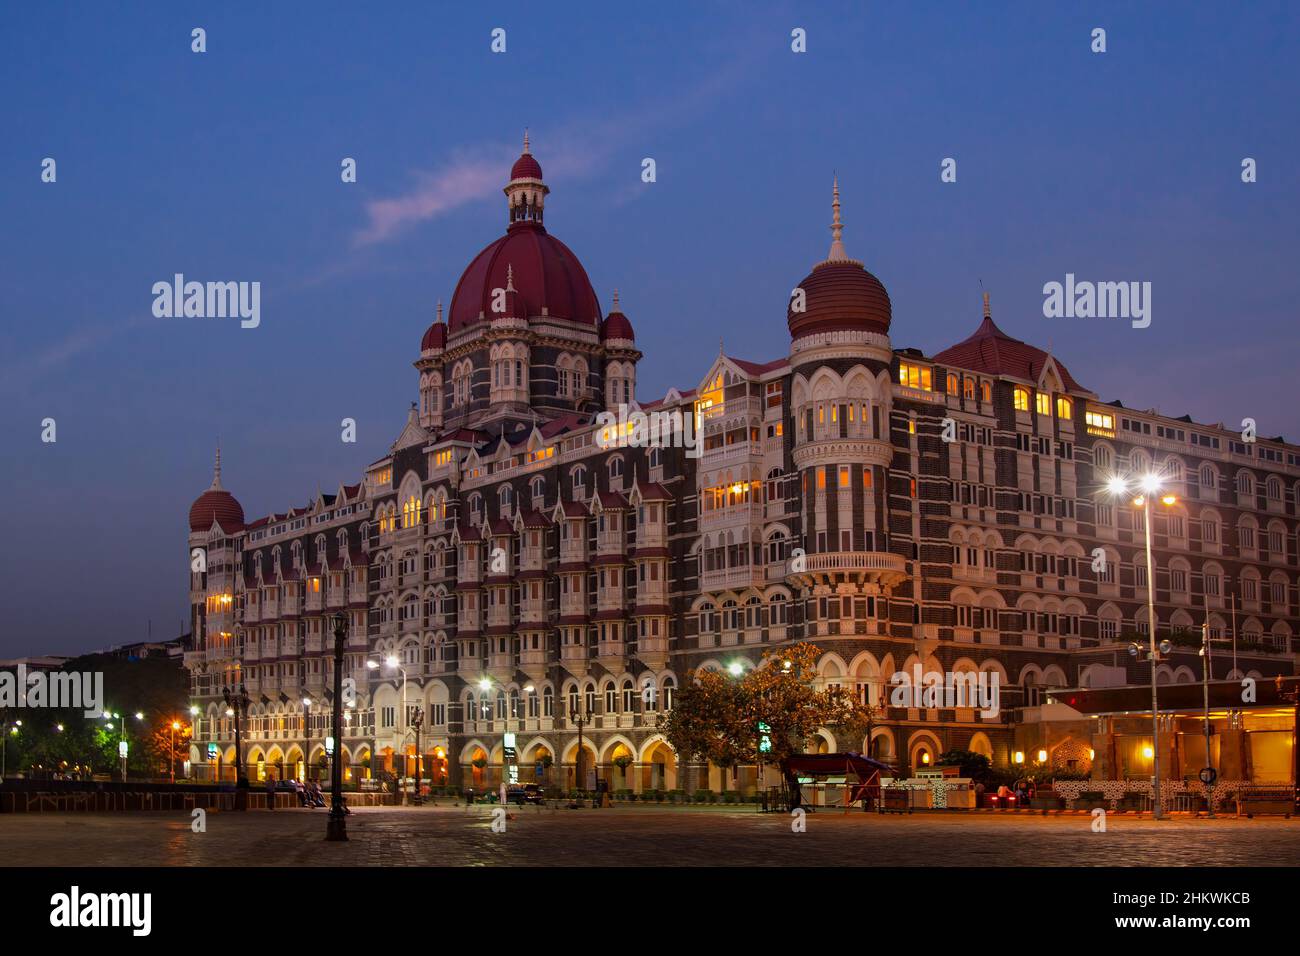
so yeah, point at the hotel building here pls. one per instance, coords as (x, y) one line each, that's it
(531, 577)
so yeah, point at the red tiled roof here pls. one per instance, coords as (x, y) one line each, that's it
(574, 509)
(535, 519)
(613, 500)
(653, 491)
(755, 368)
(992, 351)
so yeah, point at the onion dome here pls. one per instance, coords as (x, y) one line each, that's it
(526, 167)
(542, 271)
(992, 351)
(435, 338)
(616, 325)
(839, 294)
(216, 504)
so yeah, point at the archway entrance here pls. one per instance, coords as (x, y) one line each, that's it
(659, 768)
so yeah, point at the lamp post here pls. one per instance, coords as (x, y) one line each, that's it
(337, 827)
(306, 738)
(237, 702)
(4, 748)
(194, 738)
(176, 725)
(1149, 486)
(417, 721)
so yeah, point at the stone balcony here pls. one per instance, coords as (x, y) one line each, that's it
(880, 566)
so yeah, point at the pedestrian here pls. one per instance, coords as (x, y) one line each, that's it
(503, 793)
(270, 791)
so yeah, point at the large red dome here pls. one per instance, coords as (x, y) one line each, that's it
(840, 295)
(219, 505)
(546, 275)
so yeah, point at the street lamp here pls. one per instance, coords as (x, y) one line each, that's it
(337, 827)
(306, 738)
(1149, 486)
(237, 702)
(417, 721)
(176, 725)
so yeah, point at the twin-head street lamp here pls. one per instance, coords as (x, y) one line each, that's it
(1147, 487)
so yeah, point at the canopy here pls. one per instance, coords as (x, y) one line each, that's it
(814, 765)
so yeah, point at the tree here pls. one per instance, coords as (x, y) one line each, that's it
(717, 717)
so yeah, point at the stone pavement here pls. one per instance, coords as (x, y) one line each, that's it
(450, 836)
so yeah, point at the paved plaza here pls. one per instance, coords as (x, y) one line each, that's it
(635, 836)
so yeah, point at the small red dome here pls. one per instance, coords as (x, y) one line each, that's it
(616, 326)
(546, 275)
(526, 167)
(839, 294)
(219, 505)
(435, 337)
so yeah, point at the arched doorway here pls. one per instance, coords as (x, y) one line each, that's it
(478, 760)
(621, 764)
(658, 767)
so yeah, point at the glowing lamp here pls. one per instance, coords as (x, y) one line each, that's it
(485, 684)
(1042, 756)
(1169, 499)
(1117, 485)
(1018, 757)
(1148, 752)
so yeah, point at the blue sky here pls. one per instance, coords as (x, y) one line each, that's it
(225, 165)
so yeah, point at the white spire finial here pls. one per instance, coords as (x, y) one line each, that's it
(837, 253)
(615, 309)
(988, 314)
(440, 311)
(525, 140)
(216, 467)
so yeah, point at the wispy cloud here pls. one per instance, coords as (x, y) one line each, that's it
(465, 179)
(26, 370)
(574, 150)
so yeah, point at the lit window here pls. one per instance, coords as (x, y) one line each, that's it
(1021, 397)
(1044, 404)
(915, 376)
(1064, 408)
(1100, 420)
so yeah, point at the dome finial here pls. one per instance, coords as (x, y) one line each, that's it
(837, 253)
(216, 468)
(988, 314)
(510, 277)
(439, 312)
(525, 140)
(615, 309)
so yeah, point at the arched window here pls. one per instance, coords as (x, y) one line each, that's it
(670, 692)
(1020, 397)
(629, 697)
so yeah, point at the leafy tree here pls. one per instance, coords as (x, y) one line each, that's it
(716, 717)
